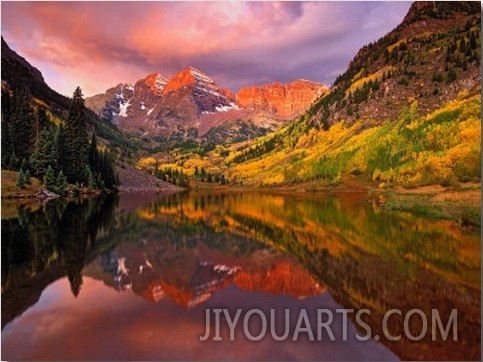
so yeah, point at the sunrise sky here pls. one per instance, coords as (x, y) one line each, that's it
(96, 45)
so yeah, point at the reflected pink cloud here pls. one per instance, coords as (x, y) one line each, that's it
(103, 324)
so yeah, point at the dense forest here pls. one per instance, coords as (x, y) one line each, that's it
(58, 152)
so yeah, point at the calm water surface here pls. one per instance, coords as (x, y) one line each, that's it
(132, 276)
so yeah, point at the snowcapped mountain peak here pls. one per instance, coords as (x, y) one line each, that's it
(156, 82)
(208, 96)
(124, 91)
(190, 77)
(182, 79)
(199, 76)
(191, 103)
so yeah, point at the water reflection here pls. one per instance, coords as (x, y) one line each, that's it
(102, 324)
(39, 247)
(189, 272)
(187, 252)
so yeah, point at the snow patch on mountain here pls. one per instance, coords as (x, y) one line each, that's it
(226, 108)
(123, 108)
(200, 76)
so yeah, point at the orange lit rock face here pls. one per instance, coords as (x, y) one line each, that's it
(156, 83)
(191, 103)
(208, 96)
(198, 81)
(286, 101)
(181, 79)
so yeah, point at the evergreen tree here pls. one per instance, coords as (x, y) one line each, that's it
(43, 121)
(102, 165)
(75, 140)
(46, 152)
(99, 182)
(21, 180)
(156, 166)
(94, 153)
(106, 169)
(22, 124)
(27, 178)
(91, 184)
(13, 161)
(375, 86)
(50, 179)
(437, 77)
(24, 165)
(61, 183)
(6, 113)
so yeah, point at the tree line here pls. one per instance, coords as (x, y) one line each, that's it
(204, 176)
(58, 152)
(172, 175)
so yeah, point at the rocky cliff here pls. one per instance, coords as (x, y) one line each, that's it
(286, 101)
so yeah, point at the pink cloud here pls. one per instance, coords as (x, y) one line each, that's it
(99, 44)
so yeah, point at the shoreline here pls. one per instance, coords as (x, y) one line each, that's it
(460, 203)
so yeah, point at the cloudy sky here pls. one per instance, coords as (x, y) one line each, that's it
(96, 45)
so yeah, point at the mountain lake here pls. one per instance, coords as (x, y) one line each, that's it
(140, 276)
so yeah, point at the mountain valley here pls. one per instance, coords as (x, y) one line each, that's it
(132, 215)
(405, 112)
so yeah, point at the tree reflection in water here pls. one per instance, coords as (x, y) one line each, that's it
(39, 247)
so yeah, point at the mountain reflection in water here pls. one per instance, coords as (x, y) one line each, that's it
(131, 277)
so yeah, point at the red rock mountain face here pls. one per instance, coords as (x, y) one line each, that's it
(286, 101)
(200, 82)
(155, 82)
(190, 104)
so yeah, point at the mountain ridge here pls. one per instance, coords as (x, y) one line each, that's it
(409, 63)
(23, 86)
(191, 103)
(18, 73)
